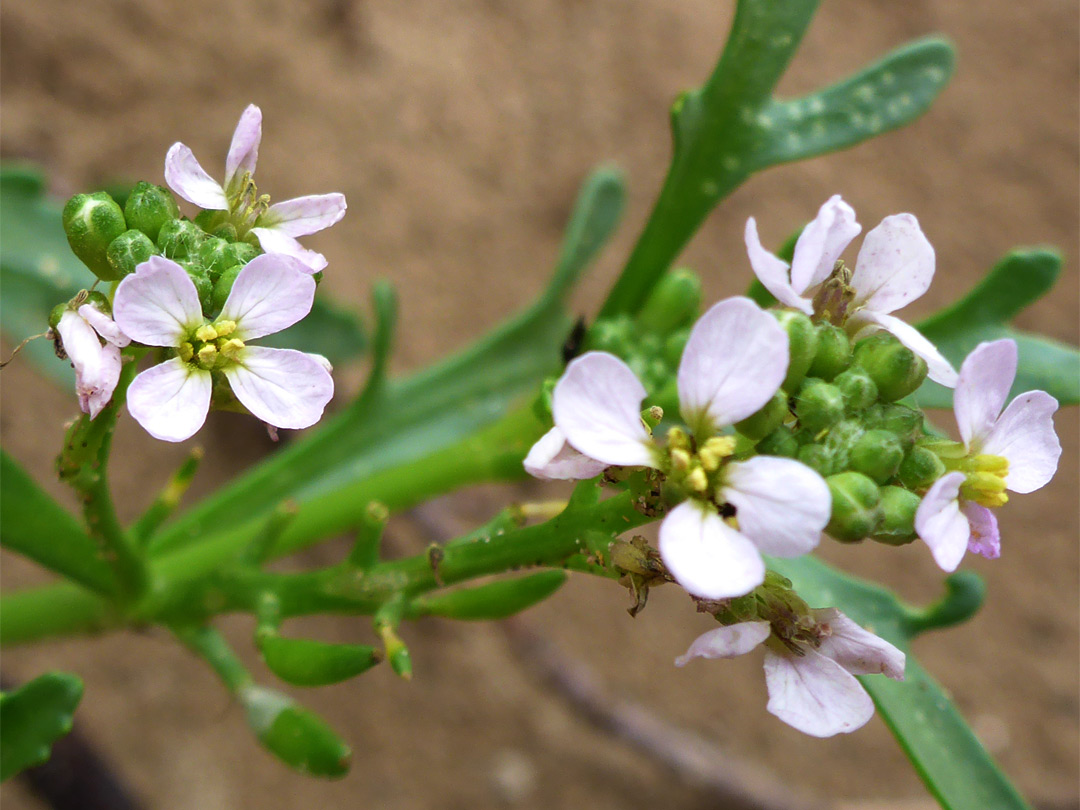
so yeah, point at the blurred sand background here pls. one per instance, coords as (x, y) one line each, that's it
(459, 133)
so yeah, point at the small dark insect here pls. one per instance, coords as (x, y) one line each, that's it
(727, 510)
(572, 347)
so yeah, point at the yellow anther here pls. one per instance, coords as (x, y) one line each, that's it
(985, 488)
(224, 328)
(716, 450)
(680, 459)
(998, 465)
(230, 347)
(697, 481)
(207, 355)
(187, 351)
(206, 333)
(677, 439)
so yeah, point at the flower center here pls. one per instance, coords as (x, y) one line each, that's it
(696, 470)
(246, 205)
(985, 473)
(210, 346)
(834, 296)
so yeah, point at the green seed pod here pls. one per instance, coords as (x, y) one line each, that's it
(215, 256)
(833, 353)
(895, 369)
(898, 508)
(781, 442)
(877, 454)
(817, 457)
(203, 285)
(856, 507)
(180, 239)
(802, 346)
(223, 286)
(920, 468)
(299, 738)
(148, 207)
(674, 302)
(765, 421)
(858, 390)
(496, 600)
(240, 253)
(129, 250)
(304, 662)
(91, 222)
(819, 405)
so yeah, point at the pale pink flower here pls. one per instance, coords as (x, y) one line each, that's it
(813, 689)
(158, 305)
(96, 364)
(275, 226)
(1022, 436)
(894, 267)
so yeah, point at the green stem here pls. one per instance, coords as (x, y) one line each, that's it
(210, 645)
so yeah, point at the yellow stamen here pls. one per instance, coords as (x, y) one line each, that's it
(230, 347)
(187, 351)
(998, 465)
(680, 459)
(697, 481)
(985, 488)
(224, 328)
(206, 333)
(716, 450)
(207, 356)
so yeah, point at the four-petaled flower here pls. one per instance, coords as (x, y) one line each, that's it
(894, 267)
(158, 305)
(812, 686)
(1016, 450)
(734, 361)
(97, 365)
(275, 226)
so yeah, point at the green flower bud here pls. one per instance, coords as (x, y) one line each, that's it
(299, 738)
(223, 286)
(674, 302)
(833, 353)
(148, 207)
(856, 507)
(91, 222)
(781, 442)
(895, 369)
(840, 439)
(920, 468)
(817, 457)
(904, 422)
(129, 250)
(613, 335)
(858, 390)
(226, 231)
(56, 314)
(877, 454)
(304, 662)
(240, 253)
(215, 256)
(802, 346)
(765, 421)
(818, 405)
(180, 239)
(898, 507)
(203, 285)
(674, 346)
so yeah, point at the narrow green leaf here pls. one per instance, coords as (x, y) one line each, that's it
(496, 600)
(306, 662)
(35, 716)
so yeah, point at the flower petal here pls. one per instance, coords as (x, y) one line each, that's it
(597, 406)
(734, 361)
(244, 149)
(271, 293)
(726, 642)
(941, 524)
(780, 504)
(157, 304)
(985, 538)
(553, 459)
(274, 241)
(706, 556)
(773, 272)
(104, 325)
(814, 694)
(895, 265)
(170, 400)
(283, 387)
(188, 179)
(1024, 434)
(858, 651)
(821, 243)
(986, 376)
(97, 367)
(940, 369)
(108, 376)
(304, 215)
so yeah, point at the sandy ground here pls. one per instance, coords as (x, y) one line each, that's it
(459, 133)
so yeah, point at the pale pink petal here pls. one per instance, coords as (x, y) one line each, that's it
(157, 305)
(271, 293)
(726, 642)
(895, 265)
(323, 361)
(706, 556)
(274, 241)
(244, 149)
(814, 694)
(304, 215)
(108, 376)
(553, 459)
(1024, 434)
(941, 524)
(821, 243)
(858, 651)
(772, 272)
(597, 406)
(188, 179)
(986, 376)
(282, 387)
(985, 538)
(170, 400)
(940, 370)
(734, 361)
(97, 368)
(104, 325)
(780, 504)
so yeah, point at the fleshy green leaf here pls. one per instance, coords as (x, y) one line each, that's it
(305, 662)
(298, 737)
(35, 716)
(496, 600)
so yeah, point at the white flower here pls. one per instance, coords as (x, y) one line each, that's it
(894, 267)
(97, 365)
(811, 688)
(1015, 449)
(275, 226)
(158, 306)
(735, 359)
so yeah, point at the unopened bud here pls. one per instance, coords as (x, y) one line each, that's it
(223, 286)
(180, 239)
(226, 231)
(802, 346)
(817, 457)
(833, 353)
(201, 279)
(781, 442)
(818, 405)
(920, 468)
(895, 369)
(148, 207)
(903, 422)
(765, 421)
(856, 507)
(898, 508)
(56, 314)
(674, 346)
(215, 256)
(674, 302)
(128, 251)
(91, 222)
(613, 335)
(877, 454)
(858, 390)
(240, 253)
